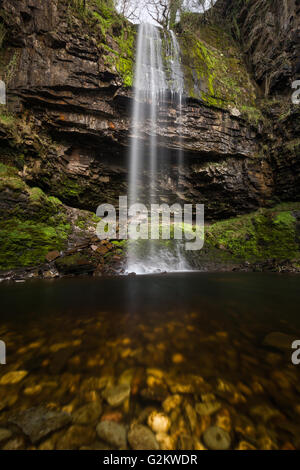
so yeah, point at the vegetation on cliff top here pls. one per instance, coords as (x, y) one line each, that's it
(114, 34)
(215, 71)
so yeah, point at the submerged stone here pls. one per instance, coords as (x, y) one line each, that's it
(116, 395)
(76, 437)
(112, 433)
(171, 402)
(279, 340)
(38, 422)
(12, 378)
(216, 438)
(88, 413)
(142, 438)
(159, 422)
(207, 408)
(5, 434)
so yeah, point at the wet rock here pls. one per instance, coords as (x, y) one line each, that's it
(267, 443)
(88, 414)
(186, 442)
(159, 422)
(279, 340)
(206, 397)
(171, 402)
(205, 423)
(142, 438)
(177, 358)
(112, 433)
(244, 389)
(38, 422)
(113, 416)
(273, 358)
(7, 401)
(283, 380)
(265, 412)
(115, 396)
(126, 377)
(159, 374)
(154, 382)
(30, 391)
(12, 378)
(207, 408)
(287, 446)
(5, 434)
(52, 255)
(181, 387)
(75, 264)
(95, 383)
(157, 392)
(165, 441)
(223, 420)
(234, 111)
(97, 446)
(75, 437)
(17, 443)
(191, 415)
(216, 438)
(198, 445)
(244, 445)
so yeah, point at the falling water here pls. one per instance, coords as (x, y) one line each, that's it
(151, 88)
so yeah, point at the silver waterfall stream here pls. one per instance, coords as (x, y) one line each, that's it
(157, 82)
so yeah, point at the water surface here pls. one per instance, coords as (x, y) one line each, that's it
(196, 335)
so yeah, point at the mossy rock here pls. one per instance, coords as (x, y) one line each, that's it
(215, 72)
(267, 234)
(75, 264)
(26, 243)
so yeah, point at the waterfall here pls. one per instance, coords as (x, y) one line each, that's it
(152, 87)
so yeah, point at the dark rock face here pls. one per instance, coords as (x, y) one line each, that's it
(285, 155)
(62, 77)
(269, 32)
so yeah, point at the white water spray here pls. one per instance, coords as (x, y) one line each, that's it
(151, 88)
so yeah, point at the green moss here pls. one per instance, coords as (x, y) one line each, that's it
(30, 227)
(86, 220)
(214, 70)
(265, 234)
(114, 35)
(251, 114)
(69, 188)
(69, 261)
(7, 171)
(6, 118)
(36, 195)
(119, 243)
(9, 179)
(25, 243)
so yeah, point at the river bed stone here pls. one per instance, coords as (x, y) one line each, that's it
(113, 433)
(38, 422)
(142, 438)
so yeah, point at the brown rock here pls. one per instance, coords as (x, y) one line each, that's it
(52, 255)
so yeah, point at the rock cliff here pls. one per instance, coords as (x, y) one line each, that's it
(67, 128)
